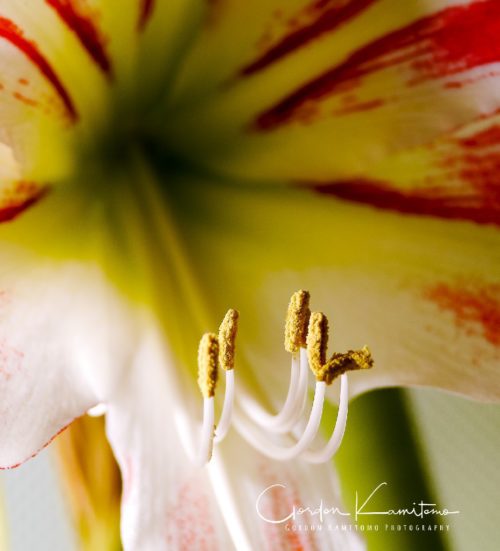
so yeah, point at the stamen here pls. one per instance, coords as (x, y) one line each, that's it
(208, 353)
(227, 337)
(303, 328)
(296, 321)
(317, 341)
(211, 352)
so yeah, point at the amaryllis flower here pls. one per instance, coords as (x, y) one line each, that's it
(162, 162)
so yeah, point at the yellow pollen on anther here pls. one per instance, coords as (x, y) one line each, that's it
(297, 320)
(227, 339)
(352, 360)
(317, 341)
(208, 354)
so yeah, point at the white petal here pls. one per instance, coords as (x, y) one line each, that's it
(167, 503)
(170, 504)
(61, 348)
(254, 490)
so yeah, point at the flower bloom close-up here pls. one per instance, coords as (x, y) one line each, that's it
(170, 169)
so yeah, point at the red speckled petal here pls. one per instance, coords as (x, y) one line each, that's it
(42, 107)
(14, 34)
(455, 177)
(16, 195)
(474, 307)
(47, 367)
(448, 42)
(167, 503)
(65, 46)
(336, 87)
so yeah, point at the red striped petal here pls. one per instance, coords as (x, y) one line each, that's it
(481, 208)
(13, 34)
(146, 11)
(21, 197)
(85, 28)
(324, 18)
(463, 183)
(447, 43)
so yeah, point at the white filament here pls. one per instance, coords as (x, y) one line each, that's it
(330, 449)
(227, 408)
(286, 420)
(286, 453)
(294, 404)
(207, 432)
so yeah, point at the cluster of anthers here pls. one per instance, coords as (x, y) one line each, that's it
(306, 339)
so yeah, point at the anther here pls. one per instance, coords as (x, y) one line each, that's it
(297, 320)
(317, 341)
(208, 353)
(227, 337)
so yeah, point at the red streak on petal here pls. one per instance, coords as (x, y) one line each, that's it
(13, 34)
(277, 504)
(327, 22)
(471, 307)
(147, 7)
(451, 41)
(471, 171)
(485, 138)
(11, 361)
(282, 501)
(11, 211)
(427, 202)
(16, 465)
(25, 100)
(86, 31)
